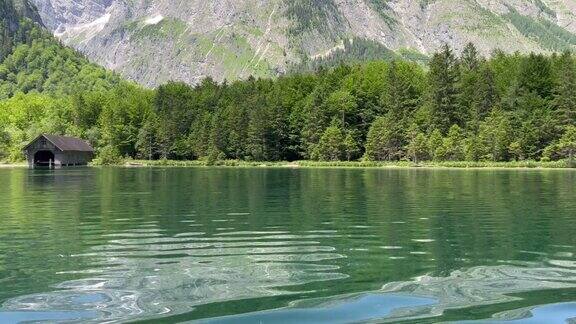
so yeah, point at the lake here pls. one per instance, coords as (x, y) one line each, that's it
(218, 245)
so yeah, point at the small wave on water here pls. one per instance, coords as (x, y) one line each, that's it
(142, 274)
(142, 289)
(429, 297)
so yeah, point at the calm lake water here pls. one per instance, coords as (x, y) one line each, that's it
(287, 246)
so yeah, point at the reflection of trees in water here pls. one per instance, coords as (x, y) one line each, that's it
(260, 229)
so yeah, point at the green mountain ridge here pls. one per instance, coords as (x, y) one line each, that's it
(33, 60)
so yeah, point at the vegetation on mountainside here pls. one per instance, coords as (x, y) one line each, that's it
(354, 50)
(31, 60)
(14, 29)
(312, 15)
(549, 35)
(46, 66)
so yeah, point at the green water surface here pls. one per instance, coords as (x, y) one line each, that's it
(287, 245)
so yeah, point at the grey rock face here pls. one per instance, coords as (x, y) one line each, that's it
(153, 41)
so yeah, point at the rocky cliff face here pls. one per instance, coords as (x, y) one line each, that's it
(12, 13)
(153, 41)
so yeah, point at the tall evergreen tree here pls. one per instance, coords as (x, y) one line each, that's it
(565, 90)
(443, 80)
(404, 91)
(536, 75)
(470, 58)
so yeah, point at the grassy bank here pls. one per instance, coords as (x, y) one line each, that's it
(356, 164)
(13, 165)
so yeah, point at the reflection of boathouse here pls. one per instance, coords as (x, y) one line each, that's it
(58, 151)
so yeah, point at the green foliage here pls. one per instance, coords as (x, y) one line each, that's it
(331, 145)
(108, 155)
(385, 140)
(18, 24)
(568, 144)
(546, 33)
(453, 145)
(46, 66)
(31, 60)
(509, 107)
(536, 75)
(444, 77)
(312, 15)
(565, 90)
(566, 147)
(495, 138)
(354, 50)
(418, 148)
(435, 145)
(351, 147)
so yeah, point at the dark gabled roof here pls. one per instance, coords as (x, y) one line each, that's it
(65, 143)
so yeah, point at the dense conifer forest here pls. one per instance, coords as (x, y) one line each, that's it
(507, 107)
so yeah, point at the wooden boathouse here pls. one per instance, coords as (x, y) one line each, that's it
(53, 151)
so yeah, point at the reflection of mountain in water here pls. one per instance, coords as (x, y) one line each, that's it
(143, 274)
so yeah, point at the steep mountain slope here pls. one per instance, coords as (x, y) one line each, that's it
(152, 41)
(13, 29)
(32, 60)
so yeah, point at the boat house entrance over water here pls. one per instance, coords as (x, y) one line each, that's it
(52, 151)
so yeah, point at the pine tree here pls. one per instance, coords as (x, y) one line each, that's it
(495, 135)
(435, 142)
(385, 141)
(342, 103)
(418, 148)
(565, 90)
(536, 75)
(444, 78)
(486, 94)
(404, 94)
(470, 58)
(453, 144)
(351, 146)
(568, 144)
(331, 145)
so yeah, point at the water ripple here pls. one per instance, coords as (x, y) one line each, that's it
(146, 277)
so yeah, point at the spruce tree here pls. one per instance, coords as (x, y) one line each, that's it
(536, 75)
(564, 101)
(470, 58)
(385, 141)
(444, 92)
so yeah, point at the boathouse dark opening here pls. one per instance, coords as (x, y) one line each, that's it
(43, 159)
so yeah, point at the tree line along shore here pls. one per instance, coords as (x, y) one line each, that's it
(457, 110)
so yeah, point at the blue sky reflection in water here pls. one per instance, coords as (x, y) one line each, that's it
(221, 245)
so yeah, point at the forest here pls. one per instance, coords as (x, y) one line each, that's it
(505, 107)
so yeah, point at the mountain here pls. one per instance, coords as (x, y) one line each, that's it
(32, 60)
(13, 29)
(153, 41)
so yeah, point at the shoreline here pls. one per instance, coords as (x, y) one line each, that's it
(446, 165)
(13, 165)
